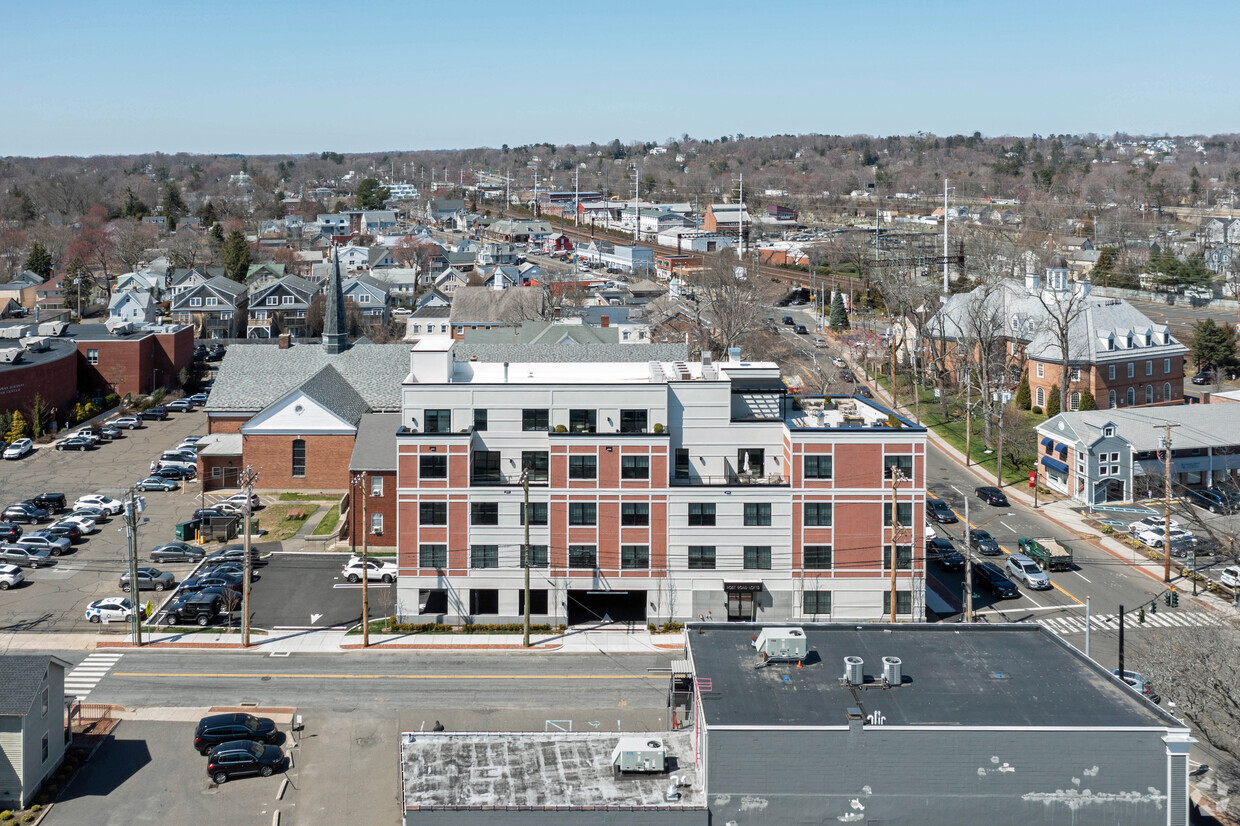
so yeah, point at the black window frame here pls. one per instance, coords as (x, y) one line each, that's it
(432, 466)
(441, 419)
(703, 518)
(582, 420)
(635, 421)
(904, 602)
(583, 557)
(480, 419)
(900, 514)
(539, 557)
(580, 512)
(635, 514)
(487, 466)
(429, 554)
(535, 419)
(812, 466)
(757, 558)
(817, 557)
(702, 557)
(680, 468)
(756, 457)
(581, 464)
(538, 513)
(812, 514)
(484, 513)
(757, 514)
(537, 463)
(482, 557)
(904, 557)
(483, 602)
(634, 557)
(299, 458)
(432, 513)
(891, 460)
(812, 602)
(635, 467)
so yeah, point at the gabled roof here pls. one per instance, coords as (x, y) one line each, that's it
(300, 287)
(366, 283)
(203, 273)
(484, 304)
(545, 332)
(140, 297)
(22, 677)
(328, 388)
(1200, 425)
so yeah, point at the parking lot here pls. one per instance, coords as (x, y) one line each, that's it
(307, 591)
(55, 598)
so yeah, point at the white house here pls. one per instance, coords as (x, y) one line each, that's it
(132, 305)
(32, 725)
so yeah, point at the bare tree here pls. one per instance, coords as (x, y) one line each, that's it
(1064, 304)
(131, 240)
(731, 296)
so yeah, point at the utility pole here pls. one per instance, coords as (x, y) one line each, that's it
(897, 476)
(1121, 642)
(1087, 624)
(968, 565)
(999, 447)
(525, 555)
(365, 567)
(968, 421)
(133, 509)
(946, 266)
(248, 485)
(1166, 502)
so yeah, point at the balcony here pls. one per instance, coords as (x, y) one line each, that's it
(504, 480)
(730, 479)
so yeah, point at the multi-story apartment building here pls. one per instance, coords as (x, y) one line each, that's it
(657, 491)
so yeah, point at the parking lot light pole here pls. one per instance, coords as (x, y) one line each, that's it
(525, 556)
(248, 565)
(133, 509)
(365, 569)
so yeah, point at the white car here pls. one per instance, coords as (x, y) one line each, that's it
(819, 341)
(1153, 537)
(10, 577)
(111, 609)
(1148, 523)
(230, 508)
(1230, 576)
(839, 362)
(931, 533)
(239, 499)
(84, 522)
(374, 569)
(1023, 568)
(18, 449)
(98, 500)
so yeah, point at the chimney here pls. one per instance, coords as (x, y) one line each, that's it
(604, 321)
(505, 372)
(557, 313)
(286, 341)
(1205, 397)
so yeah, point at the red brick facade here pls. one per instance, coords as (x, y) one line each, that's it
(54, 380)
(1156, 380)
(380, 502)
(135, 366)
(326, 461)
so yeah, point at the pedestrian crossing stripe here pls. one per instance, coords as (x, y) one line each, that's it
(1105, 622)
(82, 680)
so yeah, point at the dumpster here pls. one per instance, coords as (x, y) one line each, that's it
(186, 531)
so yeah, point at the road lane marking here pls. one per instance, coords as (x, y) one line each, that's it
(507, 677)
(1082, 576)
(1034, 601)
(1006, 525)
(958, 490)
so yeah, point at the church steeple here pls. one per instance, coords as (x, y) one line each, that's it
(335, 333)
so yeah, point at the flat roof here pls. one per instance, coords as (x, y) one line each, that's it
(220, 444)
(1007, 675)
(540, 770)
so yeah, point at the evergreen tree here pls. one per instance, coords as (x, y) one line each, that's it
(370, 195)
(39, 260)
(1087, 400)
(1052, 402)
(217, 236)
(1024, 399)
(18, 429)
(206, 214)
(1212, 345)
(173, 204)
(839, 315)
(236, 255)
(132, 207)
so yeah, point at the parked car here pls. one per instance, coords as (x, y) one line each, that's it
(25, 513)
(991, 576)
(175, 472)
(229, 508)
(1203, 377)
(235, 569)
(128, 422)
(991, 496)
(149, 579)
(220, 728)
(10, 577)
(239, 498)
(180, 406)
(945, 554)
(51, 502)
(984, 542)
(847, 375)
(234, 554)
(208, 513)
(209, 580)
(156, 483)
(819, 341)
(88, 433)
(1230, 576)
(241, 758)
(177, 552)
(9, 531)
(229, 600)
(1154, 537)
(929, 532)
(98, 500)
(111, 609)
(25, 557)
(18, 449)
(1210, 499)
(111, 431)
(200, 352)
(91, 512)
(373, 569)
(1025, 569)
(195, 608)
(1147, 523)
(216, 353)
(68, 530)
(198, 398)
(938, 510)
(862, 390)
(75, 443)
(839, 362)
(156, 413)
(85, 523)
(1139, 683)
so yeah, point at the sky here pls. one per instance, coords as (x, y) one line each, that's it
(268, 76)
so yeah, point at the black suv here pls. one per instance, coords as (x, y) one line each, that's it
(220, 728)
(50, 502)
(997, 582)
(9, 531)
(238, 758)
(158, 412)
(945, 554)
(984, 542)
(24, 512)
(938, 510)
(199, 609)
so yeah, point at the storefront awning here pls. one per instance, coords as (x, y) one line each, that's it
(1054, 464)
(1063, 449)
(1047, 441)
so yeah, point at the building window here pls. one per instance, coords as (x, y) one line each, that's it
(1149, 368)
(1074, 400)
(216, 472)
(536, 464)
(1039, 397)
(757, 514)
(43, 747)
(904, 602)
(273, 301)
(634, 513)
(1149, 394)
(634, 557)
(1167, 392)
(1075, 375)
(376, 485)
(484, 513)
(1111, 372)
(538, 557)
(681, 470)
(818, 467)
(535, 420)
(634, 467)
(582, 421)
(582, 467)
(582, 513)
(538, 601)
(92, 356)
(904, 514)
(484, 556)
(299, 457)
(817, 557)
(45, 701)
(212, 302)
(903, 463)
(484, 601)
(817, 514)
(701, 557)
(537, 512)
(437, 421)
(701, 513)
(1111, 399)
(433, 513)
(751, 460)
(486, 466)
(433, 467)
(633, 421)
(195, 302)
(757, 557)
(904, 557)
(1108, 431)
(582, 556)
(376, 523)
(288, 299)
(1132, 369)
(480, 419)
(1041, 370)
(1166, 365)
(1131, 396)
(816, 602)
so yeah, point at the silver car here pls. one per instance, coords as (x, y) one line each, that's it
(149, 579)
(25, 557)
(1024, 569)
(54, 545)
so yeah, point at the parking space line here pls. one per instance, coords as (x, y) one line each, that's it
(1082, 576)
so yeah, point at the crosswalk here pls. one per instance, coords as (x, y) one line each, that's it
(1075, 623)
(81, 680)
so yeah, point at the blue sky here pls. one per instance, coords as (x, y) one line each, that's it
(268, 76)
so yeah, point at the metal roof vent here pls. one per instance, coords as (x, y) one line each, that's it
(854, 670)
(892, 674)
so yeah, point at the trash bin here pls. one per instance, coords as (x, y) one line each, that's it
(185, 531)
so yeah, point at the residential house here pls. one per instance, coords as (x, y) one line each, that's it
(1219, 231)
(356, 222)
(184, 280)
(432, 319)
(450, 280)
(400, 282)
(260, 275)
(558, 243)
(442, 210)
(50, 295)
(370, 294)
(372, 467)
(135, 306)
(280, 306)
(22, 288)
(518, 232)
(354, 258)
(495, 253)
(562, 332)
(32, 725)
(727, 219)
(149, 281)
(500, 278)
(433, 298)
(216, 308)
(1219, 259)
(463, 261)
(484, 308)
(158, 221)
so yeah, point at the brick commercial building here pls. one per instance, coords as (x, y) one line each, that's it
(40, 366)
(1115, 352)
(658, 491)
(372, 497)
(134, 359)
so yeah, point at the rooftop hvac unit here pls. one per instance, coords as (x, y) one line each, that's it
(52, 328)
(854, 670)
(35, 344)
(15, 331)
(782, 644)
(11, 355)
(892, 674)
(639, 754)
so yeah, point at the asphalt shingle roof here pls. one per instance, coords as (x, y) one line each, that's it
(328, 388)
(375, 445)
(21, 675)
(1200, 425)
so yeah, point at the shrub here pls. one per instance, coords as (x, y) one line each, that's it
(158, 396)
(1037, 411)
(28, 817)
(658, 427)
(38, 806)
(667, 628)
(6, 815)
(559, 428)
(111, 400)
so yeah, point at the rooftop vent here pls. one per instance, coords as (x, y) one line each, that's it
(892, 674)
(782, 644)
(854, 670)
(639, 754)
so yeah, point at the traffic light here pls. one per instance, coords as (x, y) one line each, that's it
(1175, 599)
(1154, 606)
(1167, 599)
